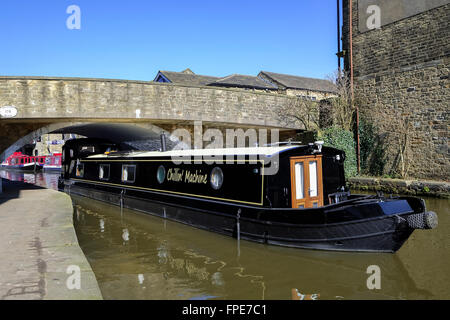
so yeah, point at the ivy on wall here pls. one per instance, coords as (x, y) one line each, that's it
(343, 140)
(372, 149)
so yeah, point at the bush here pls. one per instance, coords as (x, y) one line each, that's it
(343, 140)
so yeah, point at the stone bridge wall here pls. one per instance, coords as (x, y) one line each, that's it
(40, 101)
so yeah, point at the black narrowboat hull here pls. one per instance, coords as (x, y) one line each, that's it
(377, 233)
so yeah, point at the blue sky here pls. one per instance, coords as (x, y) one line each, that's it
(134, 39)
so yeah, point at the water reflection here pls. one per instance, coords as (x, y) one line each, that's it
(47, 180)
(137, 256)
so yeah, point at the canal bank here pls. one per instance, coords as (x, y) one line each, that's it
(438, 189)
(41, 258)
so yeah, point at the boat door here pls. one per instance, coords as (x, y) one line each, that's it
(306, 182)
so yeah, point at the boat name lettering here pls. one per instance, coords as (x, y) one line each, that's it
(179, 175)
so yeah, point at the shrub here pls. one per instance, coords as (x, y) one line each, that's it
(343, 140)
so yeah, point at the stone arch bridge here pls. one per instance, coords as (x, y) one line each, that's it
(43, 105)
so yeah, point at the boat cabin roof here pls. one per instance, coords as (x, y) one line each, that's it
(266, 151)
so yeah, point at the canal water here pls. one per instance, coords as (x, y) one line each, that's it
(138, 256)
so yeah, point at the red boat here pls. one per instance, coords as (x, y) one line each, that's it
(53, 162)
(23, 162)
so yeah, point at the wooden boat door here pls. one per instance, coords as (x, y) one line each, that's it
(306, 182)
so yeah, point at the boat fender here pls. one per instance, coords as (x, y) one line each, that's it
(425, 220)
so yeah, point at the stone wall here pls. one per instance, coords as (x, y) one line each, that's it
(46, 144)
(73, 98)
(309, 94)
(401, 76)
(417, 188)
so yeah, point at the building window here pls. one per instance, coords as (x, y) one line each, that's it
(103, 172)
(128, 173)
(80, 170)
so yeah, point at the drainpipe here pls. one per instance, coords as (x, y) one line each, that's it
(339, 37)
(350, 23)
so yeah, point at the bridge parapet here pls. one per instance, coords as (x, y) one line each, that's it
(84, 98)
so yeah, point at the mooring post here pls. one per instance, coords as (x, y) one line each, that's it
(165, 217)
(121, 202)
(238, 231)
(238, 225)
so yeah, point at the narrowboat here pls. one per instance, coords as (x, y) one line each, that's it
(286, 194)
(53, 163)
(23, 162)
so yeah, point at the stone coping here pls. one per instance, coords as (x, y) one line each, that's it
(439, 189)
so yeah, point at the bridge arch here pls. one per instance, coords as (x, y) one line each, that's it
(117, 132)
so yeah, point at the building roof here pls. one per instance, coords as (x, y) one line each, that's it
(186, 77)
(296, 82)
(243, 81)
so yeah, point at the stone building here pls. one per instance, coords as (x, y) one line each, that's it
(185, 77)
(400, 63)
(49, 144)
(244, 82)
(308, 88)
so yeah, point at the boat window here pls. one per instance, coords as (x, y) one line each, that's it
(299, 181)
(216, 178)
(103, 173)
(72, 165)
(88, 148)
(71, 153)
(128, 173)
(161, 174)
(313, 178)
(80, 170)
